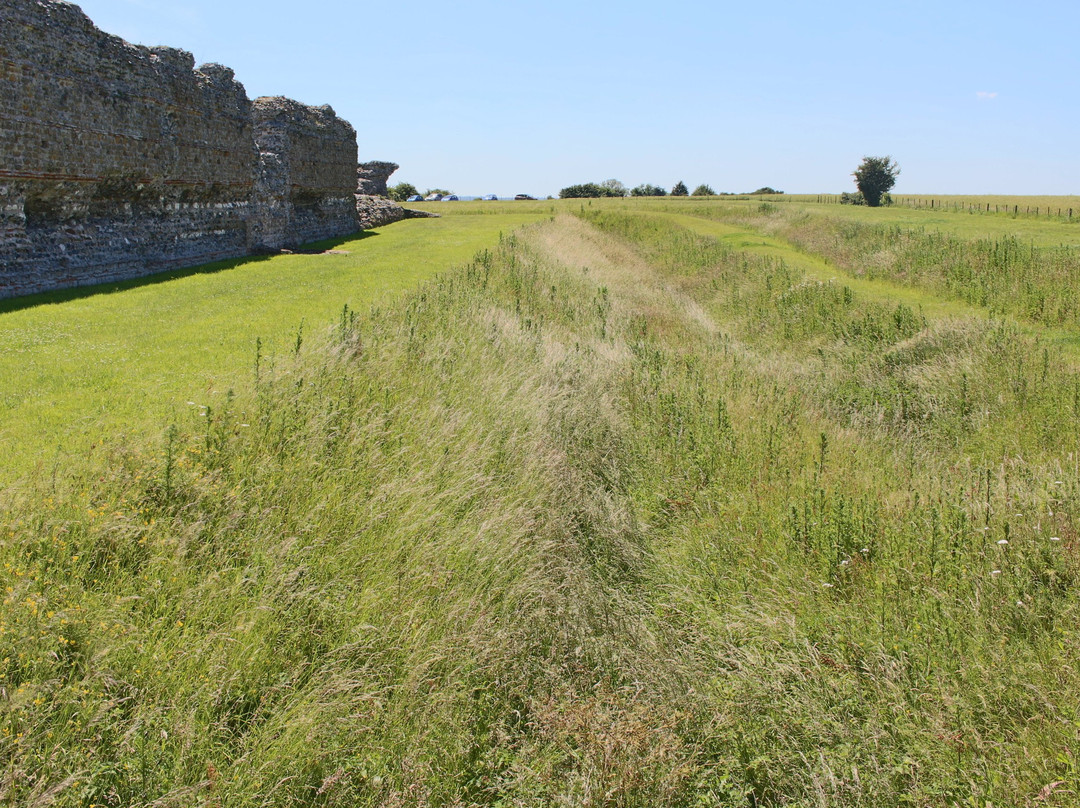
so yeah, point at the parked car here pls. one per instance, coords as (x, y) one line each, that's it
(520, 197)
(450, 198)
(415, 198)
(490, 198)
(433, 197)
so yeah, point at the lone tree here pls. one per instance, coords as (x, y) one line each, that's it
(874, 177)
(680, 189)
(703, 190)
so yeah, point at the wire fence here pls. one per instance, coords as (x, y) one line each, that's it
(967, 206)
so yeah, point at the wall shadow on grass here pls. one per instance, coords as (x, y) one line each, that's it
(78, 292)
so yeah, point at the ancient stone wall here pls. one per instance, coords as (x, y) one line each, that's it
(378, 211)
(371, 177)
(307, 173)
(118, 160)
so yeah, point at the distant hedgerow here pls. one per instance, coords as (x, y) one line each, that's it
(589, 190)
(646, 189)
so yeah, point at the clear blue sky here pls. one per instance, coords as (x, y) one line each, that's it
(527, 97)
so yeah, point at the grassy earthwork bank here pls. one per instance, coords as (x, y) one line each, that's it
(1040, 230)
(678, 502)
(1052, 208)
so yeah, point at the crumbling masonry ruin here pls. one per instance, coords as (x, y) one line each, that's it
(117, 160)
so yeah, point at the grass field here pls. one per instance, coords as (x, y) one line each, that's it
(1040, 231)
(647, 503)
(83, 366)
(959, 202)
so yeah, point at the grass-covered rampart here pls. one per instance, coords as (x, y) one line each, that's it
(1000, 274)
(621, 513)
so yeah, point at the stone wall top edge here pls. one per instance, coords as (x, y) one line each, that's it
(70, 23)
(129, 156)
(267, 108)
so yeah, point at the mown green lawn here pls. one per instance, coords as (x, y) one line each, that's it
(83, 366)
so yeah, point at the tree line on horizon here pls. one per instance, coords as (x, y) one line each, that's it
(874, 178)
(614, 188)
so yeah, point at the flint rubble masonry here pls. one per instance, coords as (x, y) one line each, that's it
(371, 177)
(377, 211)
(118, 160)
(373, 209)
(307, 175)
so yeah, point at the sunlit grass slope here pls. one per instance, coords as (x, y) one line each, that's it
(1002, 274)
(622, 513)
(79, 368)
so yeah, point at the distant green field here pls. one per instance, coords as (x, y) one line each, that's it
(1004, 202)
(1041, 231)
(1033, 217)
(87, 365)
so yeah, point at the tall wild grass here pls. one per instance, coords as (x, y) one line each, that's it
(1040, 284)
(614, 515)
